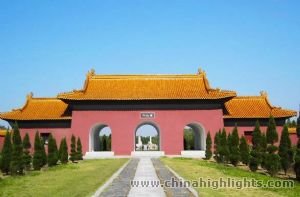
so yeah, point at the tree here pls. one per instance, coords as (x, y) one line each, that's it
(208, 152)
(108, 145)
(244, 151)
(271, 133)
(37, 160)
(6, 154)
(43, 151)
(234, 155)
(272, 163)
(285, 149)
(263, 151)
(297, 161)
(254, 160)
(16, 163)
(52, 151)
(217, 156)
(184, 143)
(79, 149)
(224, 151)
(271, 159)
(26, 152)
(63, 150)
(73, 149)
(256, 137)
(104, 142)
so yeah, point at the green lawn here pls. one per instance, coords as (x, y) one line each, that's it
(80, 179)
(192, 169)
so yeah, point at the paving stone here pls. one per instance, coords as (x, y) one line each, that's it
(148, 184)
(120, 187)
(165, 174)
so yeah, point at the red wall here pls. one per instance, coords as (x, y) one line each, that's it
(1, 142)
(294, 138)
(241, 130)
(123, 125)
(58, 133)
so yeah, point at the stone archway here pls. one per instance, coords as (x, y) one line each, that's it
(95, 138)
(197, 144)
(150, 134)
(156, 151)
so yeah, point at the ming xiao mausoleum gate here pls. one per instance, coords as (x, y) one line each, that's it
(124, 103)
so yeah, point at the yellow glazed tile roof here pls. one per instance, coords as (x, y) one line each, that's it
(254, 107)
(146, 87)
(293, 130)
(38, 109)
(3, 132)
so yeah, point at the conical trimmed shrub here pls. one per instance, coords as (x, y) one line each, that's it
(285, 150)
(6, 154)
(63, 151)
(37, 161)
(43, 151)
(79, 149)
(208, 152)
(26, 152)
(256, 137)
(52, 151)
(16, 163)
(272, 135)
(244, 151)
(234, 141)
(73, 149)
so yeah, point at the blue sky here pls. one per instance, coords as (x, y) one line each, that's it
(47, 47)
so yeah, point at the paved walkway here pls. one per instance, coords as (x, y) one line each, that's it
(165, 174)
(147, 175)
(146, 181)
(120, 186)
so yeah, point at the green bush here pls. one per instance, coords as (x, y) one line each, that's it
(285, 150)
(52, 151)
(272, 135)
(244, 151)
(79, 149)
(26, 152)
(297, 161)
(233, 144)
(208, 152)
(254, 160)
(63, 151)
(16, 163)
(272, 163)
(6, 154)
(37, 161)
(73, 149)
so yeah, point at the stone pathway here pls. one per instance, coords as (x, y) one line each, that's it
(121, 185)
(164, 174)
(147, 175)
(146, 180)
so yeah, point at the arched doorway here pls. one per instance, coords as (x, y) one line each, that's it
(194, 138)
(147, 137)
(100, 138)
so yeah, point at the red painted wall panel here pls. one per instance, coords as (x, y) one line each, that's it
(123, 125)
(58, 133)
(1, 142)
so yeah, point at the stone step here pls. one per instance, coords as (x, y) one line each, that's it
(147, 154)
